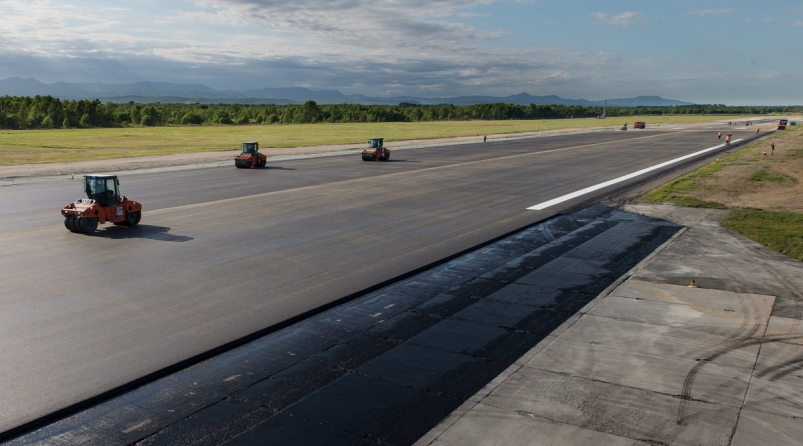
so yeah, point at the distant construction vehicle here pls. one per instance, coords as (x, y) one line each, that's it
(376, 150)
(639, 125)
(782, 124)
(103, 204)
(250, 157)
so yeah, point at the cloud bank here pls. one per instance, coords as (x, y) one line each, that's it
(391, 47)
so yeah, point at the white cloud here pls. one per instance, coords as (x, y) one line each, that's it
(707, 12)
(625, 19)
(798, 24)
(359, 46)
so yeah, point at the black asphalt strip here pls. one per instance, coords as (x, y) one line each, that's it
(386, 367)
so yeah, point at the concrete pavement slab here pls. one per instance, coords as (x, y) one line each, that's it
(486, 425)
(741, 305)
(701, 319)
(786, 330)
(759, 428)
(617, 337)
(614, 409)
(646, 361)
(719, 259)
(583, 352)
(777, 384)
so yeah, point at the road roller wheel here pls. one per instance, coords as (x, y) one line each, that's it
(133, 218)
(74, 222)
(67, 221)
(89, 225)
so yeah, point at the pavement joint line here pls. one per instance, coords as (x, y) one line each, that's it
(752, 373)
(657, 392)
(587, 190)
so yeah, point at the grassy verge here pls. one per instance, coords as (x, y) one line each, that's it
(54, 146)
(780, 231)
(681, 190)
(746, 171)
(675, 191)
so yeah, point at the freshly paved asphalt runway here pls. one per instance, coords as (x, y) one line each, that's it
(222, 253)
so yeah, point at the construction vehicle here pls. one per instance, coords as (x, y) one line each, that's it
(250, 156)
(782, 124)
(376, 150)
(639, 125)
(103, 204)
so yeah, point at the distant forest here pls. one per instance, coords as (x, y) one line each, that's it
(46, 112)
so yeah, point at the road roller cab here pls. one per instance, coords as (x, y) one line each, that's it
(376, 150)
(250, 157)
(103, 204)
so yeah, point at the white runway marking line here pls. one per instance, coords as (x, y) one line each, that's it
(587, 190)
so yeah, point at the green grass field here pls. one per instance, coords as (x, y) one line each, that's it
(54, 146)
(780, 231)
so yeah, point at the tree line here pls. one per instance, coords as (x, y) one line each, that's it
(46, 112)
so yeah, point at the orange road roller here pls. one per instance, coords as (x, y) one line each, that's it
(103, 204)
(376, 150)
(250, 156)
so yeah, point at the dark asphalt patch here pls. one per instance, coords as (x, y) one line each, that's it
(353, 403)
(386, 367)
(285, 429)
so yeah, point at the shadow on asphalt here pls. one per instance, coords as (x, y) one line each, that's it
(149, 232)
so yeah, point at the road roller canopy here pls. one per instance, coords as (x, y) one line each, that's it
(102, 188)
(250, 147)
(375, 143)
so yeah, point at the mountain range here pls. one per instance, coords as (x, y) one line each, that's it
(166, 92)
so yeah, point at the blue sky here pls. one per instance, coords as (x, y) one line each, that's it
(707, 52)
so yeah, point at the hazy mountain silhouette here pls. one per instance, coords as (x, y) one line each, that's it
(167, 92)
